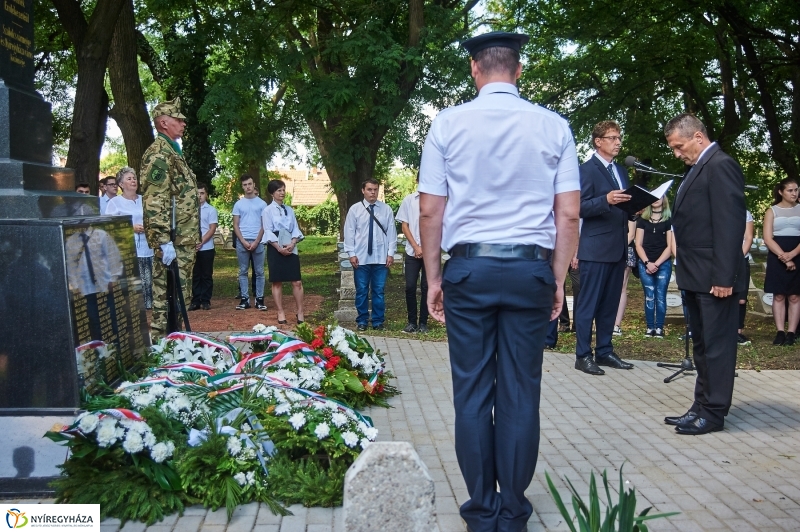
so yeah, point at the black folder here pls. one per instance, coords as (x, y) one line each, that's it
(641, 198)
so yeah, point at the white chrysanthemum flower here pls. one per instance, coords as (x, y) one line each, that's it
(259, 327)
(293, 396)
(157, 390)
(362, 426)
(282, 408)
(248, 453)
(339, 419)
(318, 405)
(141, 400)
(171, 447)
(240, 478)
(298, 420)
(161, 451)
(234, 445)
(251, 478)
(322, 431)
(246, 427)
(365, 443)
(107, 432)
(371, 433)
(149, 439)
(350, 438)
(181, 403)
(88, 423)
(133, 442)
(119, 432)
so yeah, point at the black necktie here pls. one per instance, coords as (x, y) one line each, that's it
(610, 169)
(283, 207)
(371, 221)
(85, 239)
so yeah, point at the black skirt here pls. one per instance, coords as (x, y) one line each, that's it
(778, 279)
(282, 268)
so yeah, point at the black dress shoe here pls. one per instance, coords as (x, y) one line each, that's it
(685, 419)
(194, 306)
(587, 365)
(362, 327)
(699, 426)
(613, 361)
(206, 306)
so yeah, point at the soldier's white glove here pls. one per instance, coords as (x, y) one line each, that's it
(168, 253)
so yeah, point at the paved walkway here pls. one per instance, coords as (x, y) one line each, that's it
(746, 478)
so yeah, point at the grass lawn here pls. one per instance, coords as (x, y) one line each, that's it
(320, 276)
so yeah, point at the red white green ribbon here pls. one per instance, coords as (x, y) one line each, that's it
(188, 367)
(250, 337)
(204, 340)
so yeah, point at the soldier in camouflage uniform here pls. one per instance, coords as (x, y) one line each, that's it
(166, 178)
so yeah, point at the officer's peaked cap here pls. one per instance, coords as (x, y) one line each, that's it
(502, 39)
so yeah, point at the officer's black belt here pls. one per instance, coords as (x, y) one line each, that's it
(501, 251)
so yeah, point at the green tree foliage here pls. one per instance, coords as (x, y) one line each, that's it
(734, 64)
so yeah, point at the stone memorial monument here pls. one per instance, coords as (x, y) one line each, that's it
(71, 305)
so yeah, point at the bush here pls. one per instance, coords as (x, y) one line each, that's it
(320, 220)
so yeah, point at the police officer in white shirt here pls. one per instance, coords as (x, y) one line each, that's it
(370, 239)
(499, 189)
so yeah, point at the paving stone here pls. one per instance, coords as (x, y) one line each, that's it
(188, 523)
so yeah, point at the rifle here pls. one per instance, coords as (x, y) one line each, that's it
(176, 306)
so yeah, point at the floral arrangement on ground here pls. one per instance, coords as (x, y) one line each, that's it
(206, 422)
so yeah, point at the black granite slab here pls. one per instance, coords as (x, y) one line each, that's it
(76, 316)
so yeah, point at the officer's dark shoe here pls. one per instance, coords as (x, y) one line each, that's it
(194, 306)
(378, 327)
(699, 426)
(243, 304)
(260, 303)
(206, 306)
(422, 329)
(685, 419)
(362, 327)
(587, 365)
(613, 361)
(410, 328)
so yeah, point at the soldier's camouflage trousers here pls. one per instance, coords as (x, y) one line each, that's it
(185, 260)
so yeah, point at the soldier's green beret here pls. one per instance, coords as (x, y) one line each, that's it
(169, 108)
(495, 39)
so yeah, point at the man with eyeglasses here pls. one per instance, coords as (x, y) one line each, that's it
(602, 251)
(108, 186)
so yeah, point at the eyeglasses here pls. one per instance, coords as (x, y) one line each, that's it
(614, 138)
(111, 184)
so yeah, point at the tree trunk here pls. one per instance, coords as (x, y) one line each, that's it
(92, 42)
(130, 110)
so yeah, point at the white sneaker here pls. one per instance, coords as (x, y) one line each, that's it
(650, 332)
(659, 333)
(617, 330)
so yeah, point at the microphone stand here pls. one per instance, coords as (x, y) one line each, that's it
(686, 364)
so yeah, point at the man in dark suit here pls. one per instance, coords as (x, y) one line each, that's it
(602, 251)
(708, 219)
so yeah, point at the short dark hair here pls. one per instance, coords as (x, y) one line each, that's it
(112, 177)
(686, 125)
(497, 59)
(202, 186)
(103, 181)
(370, 181)
(245, 177)
(782, 184)
(601, 128)
(82, 185)
(275, 184)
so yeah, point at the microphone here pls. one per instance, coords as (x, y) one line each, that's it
(630, 160)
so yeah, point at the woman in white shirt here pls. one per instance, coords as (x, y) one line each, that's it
(130, 203)
(281, 235)
(782, 237)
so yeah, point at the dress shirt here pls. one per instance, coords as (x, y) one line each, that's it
(356, 231)
(120, 205)
(409, 213)
(613, 169)
(276, 217)
(104, 199)
(499, 160)
(208, 216)
(691, 168)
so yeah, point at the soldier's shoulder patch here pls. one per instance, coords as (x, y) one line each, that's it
(158, 170)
